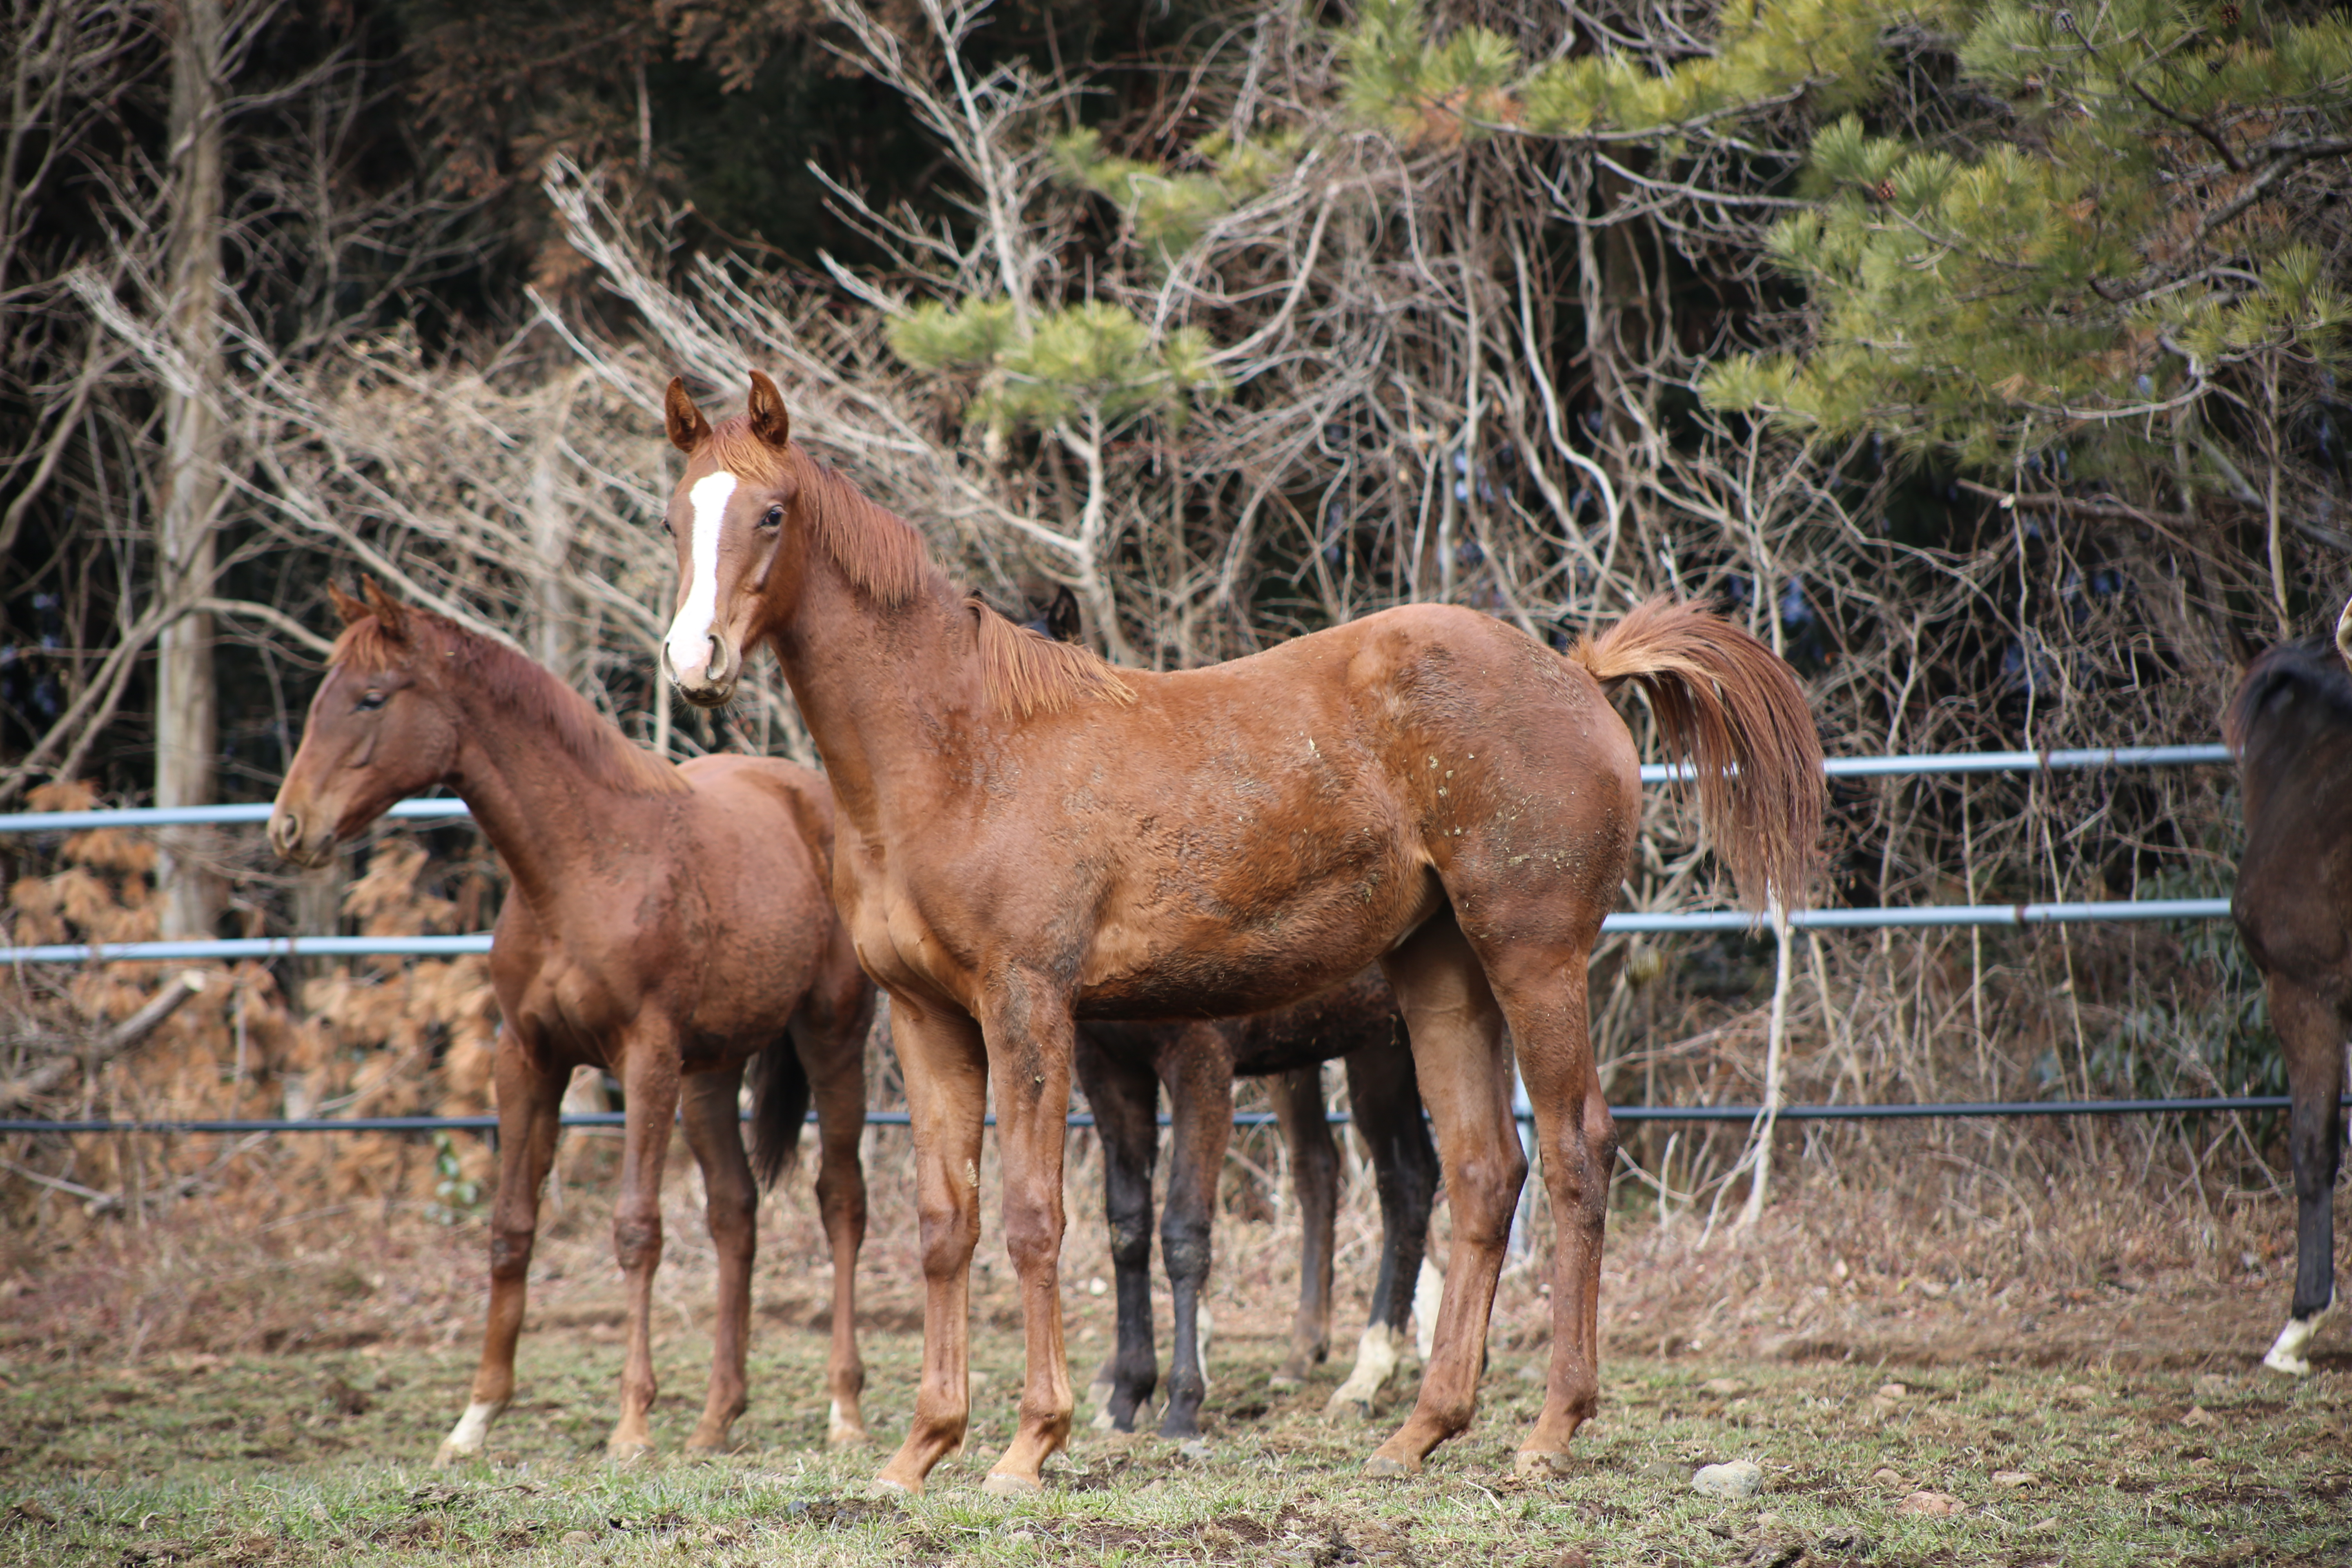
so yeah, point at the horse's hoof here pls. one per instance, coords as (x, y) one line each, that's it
(2292, 1366)
(1382, 1467)
(999, 1484)
(630, 1453)
(1531, 1464)
(882, 1489)
(846, 1438)
(450, 1455)
(1348, 1408)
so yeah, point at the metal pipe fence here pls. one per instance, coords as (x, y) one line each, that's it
(1660, 922)
(2219, 1104)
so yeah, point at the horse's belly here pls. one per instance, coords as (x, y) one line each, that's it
(1208, 968)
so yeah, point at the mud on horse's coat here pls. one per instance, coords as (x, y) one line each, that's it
(1029, 837)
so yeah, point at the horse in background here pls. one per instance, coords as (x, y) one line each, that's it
(667, 924)
(1120, 1067)
(2291, 727)
(1030, 837)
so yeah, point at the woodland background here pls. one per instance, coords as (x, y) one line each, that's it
(1985, 357)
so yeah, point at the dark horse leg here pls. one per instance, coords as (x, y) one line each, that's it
(1199, 1070)
(1315, 1175)
(1385, 1098)
(2313, 1032)
(715, 1134)
(1125, 1097)
(530, 1097)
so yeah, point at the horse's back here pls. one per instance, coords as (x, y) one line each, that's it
(2291, 721)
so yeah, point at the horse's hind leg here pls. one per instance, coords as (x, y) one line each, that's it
(714, 1131)
(1125, 1099)
(1386, 1100)
(1542, 988)
(1315, 1175)
(1458, 1055)
(530, 1099)
(2313, 1030)
(832, 1053)
(1201, 1100)
(649, 1076)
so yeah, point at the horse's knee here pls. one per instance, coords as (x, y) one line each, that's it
(1184, 1247)
(1033, 1235)
(1485, 1195)
(510, 1253)
(949, 1231)
(636, 1239)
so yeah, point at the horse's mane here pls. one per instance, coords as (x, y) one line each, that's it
(884, 558)
(2311, 663)
(518, 687)
(1025, 670)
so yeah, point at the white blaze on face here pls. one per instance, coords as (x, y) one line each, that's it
(689, 635)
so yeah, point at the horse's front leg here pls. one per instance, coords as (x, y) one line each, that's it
(946, 1071)
(649, 1077)
(1315, 1177)
(714, 1131)
(1463, 1067)
(1201, 1098)
(832, 1043)
(1029, 1043)
(531, 1097)
(1124, 1096)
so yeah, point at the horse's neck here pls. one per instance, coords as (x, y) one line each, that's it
(877, 685)
(542, 808)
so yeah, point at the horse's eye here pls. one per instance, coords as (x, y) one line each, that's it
(369, 701)
(772, 518)
(668, 531)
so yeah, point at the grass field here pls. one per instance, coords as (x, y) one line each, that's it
(319, 1457)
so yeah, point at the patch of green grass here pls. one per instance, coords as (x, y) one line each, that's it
(321, 1459)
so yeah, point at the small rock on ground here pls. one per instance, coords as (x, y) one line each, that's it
(1194, 1449)
(2014, 1478)
(1740, 1478)
(1934, 1505)
(1665, 1471)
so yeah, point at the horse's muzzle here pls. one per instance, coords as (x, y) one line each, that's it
(289, 839)
(714, 683)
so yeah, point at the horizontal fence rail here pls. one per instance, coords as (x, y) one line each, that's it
(441, 810)
(1919, 1113)
(1917, 915)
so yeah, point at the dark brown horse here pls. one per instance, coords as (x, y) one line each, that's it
(1121, 1065)
(667, 924)
(1029, 837)
(2291, 725)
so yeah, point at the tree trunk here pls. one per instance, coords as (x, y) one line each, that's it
(186, 725)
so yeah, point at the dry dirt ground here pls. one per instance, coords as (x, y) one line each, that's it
(2060, 1388)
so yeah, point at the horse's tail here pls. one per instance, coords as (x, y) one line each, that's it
(780, 1103)
(1733, 707)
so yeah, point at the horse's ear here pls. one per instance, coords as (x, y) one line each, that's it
(687, 427)
(2344, 634)
(352, 610)
(766, 411)
(1063, 621)
(387, 610)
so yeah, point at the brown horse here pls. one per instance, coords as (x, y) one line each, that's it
(1029, 837)
(1121, 1065)
(667, 924)
(2291, 725)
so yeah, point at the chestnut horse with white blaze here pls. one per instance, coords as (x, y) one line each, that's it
(667, 924)
(1028, 836)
